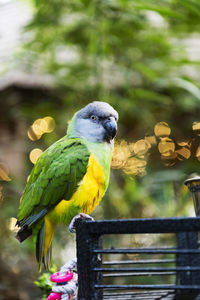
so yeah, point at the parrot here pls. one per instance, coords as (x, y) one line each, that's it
(69, 179)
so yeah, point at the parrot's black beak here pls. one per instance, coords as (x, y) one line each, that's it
(110, 126)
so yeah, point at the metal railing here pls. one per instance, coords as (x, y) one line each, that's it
(177, 266)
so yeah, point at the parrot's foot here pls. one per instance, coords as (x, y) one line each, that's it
(82, 216)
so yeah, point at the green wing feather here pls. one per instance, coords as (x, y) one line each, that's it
(54, 177)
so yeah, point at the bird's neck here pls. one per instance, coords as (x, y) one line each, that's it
(102, 152)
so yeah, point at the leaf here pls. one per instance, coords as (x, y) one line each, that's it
(193, 6)
(188, 86)
(162, 10)
(151, 96)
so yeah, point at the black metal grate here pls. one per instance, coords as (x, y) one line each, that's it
(176, 267)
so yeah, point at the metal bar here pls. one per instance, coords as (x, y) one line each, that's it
(152, 293)
(146, 251)
(150, 297)
(165, 296)
(152, 248)
(152, 269)
(86, 262)
(141, 296)
(187, 240)
(135, 262)
(139, 274)
(146, 286)
(150, 225)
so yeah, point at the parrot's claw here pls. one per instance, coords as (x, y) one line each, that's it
(82, 216)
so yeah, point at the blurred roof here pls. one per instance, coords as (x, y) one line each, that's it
(14, 15)
(25, 80)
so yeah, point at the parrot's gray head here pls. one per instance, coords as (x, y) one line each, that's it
(96, 122)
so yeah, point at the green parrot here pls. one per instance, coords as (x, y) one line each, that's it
(69, 179)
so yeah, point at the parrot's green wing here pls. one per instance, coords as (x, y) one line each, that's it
(54, 177)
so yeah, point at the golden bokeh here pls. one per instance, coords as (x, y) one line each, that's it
(4, 171)
(166, 146)
(120, 154)
(151, 139)
(171, 156)
(39, 127)
(35, 154)
(183, 153)
(50, 124)
(184, 143)
(141, 147)
(12, 225)
(198, 152)
(162, 129)
(196, 127)
(32, 134)
(130, 157)
(169, 163)
(135, 166)
(170, 159)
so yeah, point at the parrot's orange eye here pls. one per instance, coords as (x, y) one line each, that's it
(93, 118)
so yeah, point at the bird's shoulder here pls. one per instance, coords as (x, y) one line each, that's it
(64, 151)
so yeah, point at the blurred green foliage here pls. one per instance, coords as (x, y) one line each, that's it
(141, 57)
(44, 282)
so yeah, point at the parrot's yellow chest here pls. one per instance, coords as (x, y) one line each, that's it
(87, 196)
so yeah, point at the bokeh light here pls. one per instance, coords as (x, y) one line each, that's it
(135, 166)
(130, 156)
(4, 171)
(12, 225)
(41, 126)
(186, 143)
(141, 147)
(183, 153)
(196, 127)
(120, 155)
(151, 139)
(170, 159)
(35, 154)
(198, 153)
(166, 146)
(162, 129)
(50, 124)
